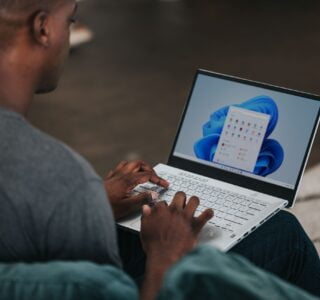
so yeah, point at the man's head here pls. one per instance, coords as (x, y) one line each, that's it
(35, 34)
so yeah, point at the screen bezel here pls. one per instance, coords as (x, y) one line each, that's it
(233, 178)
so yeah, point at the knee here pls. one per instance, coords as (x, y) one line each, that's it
(289, 220)
(291, 226)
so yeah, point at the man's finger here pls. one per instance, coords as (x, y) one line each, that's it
(130, 181)
(110, 174)
(133, 179)
(136, 202)
(191, 206)
(179, 201)
(133, 166)
(146, 210)
(202, 219)
(155, 178)
(161, 204)
(120, 166)
(158, 180)
(141, 199)
(141, 166)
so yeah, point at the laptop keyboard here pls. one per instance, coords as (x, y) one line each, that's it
(231, 210)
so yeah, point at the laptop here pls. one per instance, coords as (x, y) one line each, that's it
(241, 147)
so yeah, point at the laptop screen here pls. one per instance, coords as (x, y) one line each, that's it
(253, 130)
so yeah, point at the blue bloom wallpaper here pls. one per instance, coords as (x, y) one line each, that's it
(271, 154)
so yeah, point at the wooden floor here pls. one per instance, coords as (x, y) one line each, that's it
(122, 95)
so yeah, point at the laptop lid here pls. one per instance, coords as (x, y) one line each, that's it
(246, 133)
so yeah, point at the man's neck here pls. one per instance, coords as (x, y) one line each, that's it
(16, 83)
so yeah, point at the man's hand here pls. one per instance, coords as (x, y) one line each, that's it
(121, 181)
(168, 233)
(172, 230)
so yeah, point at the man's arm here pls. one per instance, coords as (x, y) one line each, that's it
(82, 226)
(167, 234)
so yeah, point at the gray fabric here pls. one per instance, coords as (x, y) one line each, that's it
(52, 203)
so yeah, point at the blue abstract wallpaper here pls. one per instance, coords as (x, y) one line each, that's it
(271, 153)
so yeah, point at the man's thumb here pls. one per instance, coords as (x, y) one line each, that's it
(140, 199)
(146, 210)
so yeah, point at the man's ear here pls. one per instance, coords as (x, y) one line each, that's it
(41, 28)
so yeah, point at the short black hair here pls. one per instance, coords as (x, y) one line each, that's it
(24, 5)
(14, 13)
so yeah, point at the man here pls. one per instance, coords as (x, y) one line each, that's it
(55, 207)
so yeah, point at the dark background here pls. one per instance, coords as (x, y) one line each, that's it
(121, 96)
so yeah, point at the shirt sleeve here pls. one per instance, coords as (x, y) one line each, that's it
(53, 204)
(82, 227)
(69, 221)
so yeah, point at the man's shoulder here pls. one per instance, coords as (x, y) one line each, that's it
(26, 149)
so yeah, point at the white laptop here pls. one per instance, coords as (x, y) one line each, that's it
(241, 147)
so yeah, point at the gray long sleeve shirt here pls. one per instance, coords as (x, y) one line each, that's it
(53, 206)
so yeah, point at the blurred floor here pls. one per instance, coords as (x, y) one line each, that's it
(121, 95)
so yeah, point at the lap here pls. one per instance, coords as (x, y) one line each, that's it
(131, 253)
(280, 246)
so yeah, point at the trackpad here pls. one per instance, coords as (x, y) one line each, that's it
(209, 233)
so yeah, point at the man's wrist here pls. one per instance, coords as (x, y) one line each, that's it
(162, 258)
(156, 262)
(156, 266)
